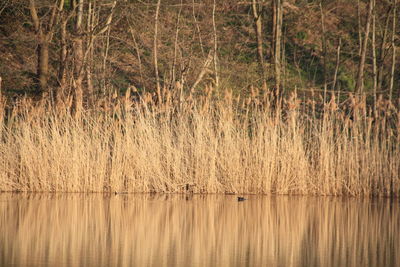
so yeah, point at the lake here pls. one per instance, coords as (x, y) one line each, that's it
(197, 230)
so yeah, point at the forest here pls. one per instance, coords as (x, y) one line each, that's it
(85, 49)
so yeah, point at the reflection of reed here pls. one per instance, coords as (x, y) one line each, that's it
(171, 230)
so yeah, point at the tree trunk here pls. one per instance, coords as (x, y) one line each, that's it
(374, 66)
(42, 70)
(78, 61)
(106, 29)
(203, 71)
(215, 47)
(138, 57)
(89, 48)
(155, 53)
(78, 90)
(105, 58)
(44, 33)
(277, 45)
(337, 64)
(197, 28)
(272, 51)
(62, 69)
(360, 73)
(359, 28)
(324, 49)
(43, 63)
(257, 16)
(174, 63)
(382, 50)
(393, 51)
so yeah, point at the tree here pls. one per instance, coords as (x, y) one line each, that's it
(258, 28)
(44, 31)
(155, 51)
(277, 36)
(360, 73)
(78, 57)
(393, 50)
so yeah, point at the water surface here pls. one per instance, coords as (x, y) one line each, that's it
(185, 230)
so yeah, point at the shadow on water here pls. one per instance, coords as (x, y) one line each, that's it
(177, 230)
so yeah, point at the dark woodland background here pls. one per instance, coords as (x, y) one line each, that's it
(88, 48)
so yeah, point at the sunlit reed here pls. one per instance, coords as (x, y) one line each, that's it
(208, 145)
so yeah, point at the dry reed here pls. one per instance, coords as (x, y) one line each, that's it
(224, 145)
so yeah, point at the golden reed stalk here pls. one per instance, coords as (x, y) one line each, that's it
(207, 145)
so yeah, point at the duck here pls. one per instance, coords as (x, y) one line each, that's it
(241, 199)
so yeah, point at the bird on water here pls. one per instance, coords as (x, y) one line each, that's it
(241, 199)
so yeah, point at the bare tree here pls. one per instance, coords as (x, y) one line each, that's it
(215, 47)
(155, 51)
(82, 43)
(44, 34)
(324, 49)
(137, 54)
(382, 50)
(100, 28)
(277, 24)
(62, 78)
(393, 51)
(258, 27)
(89, 47)
(359, 28)
(273, 30)
(374, 65)
(338, 48)
(203, 71)
(78, 57)
(196, 23)
(177, 29)
(360, 73)
(65, 15)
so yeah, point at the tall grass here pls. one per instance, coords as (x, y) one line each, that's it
(224, 145)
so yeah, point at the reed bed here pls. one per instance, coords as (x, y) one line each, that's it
(222, 144)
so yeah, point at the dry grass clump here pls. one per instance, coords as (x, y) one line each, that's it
(223, 145)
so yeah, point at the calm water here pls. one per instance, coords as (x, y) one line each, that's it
(179, 230)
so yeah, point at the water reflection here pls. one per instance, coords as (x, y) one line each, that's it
(179, 230)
